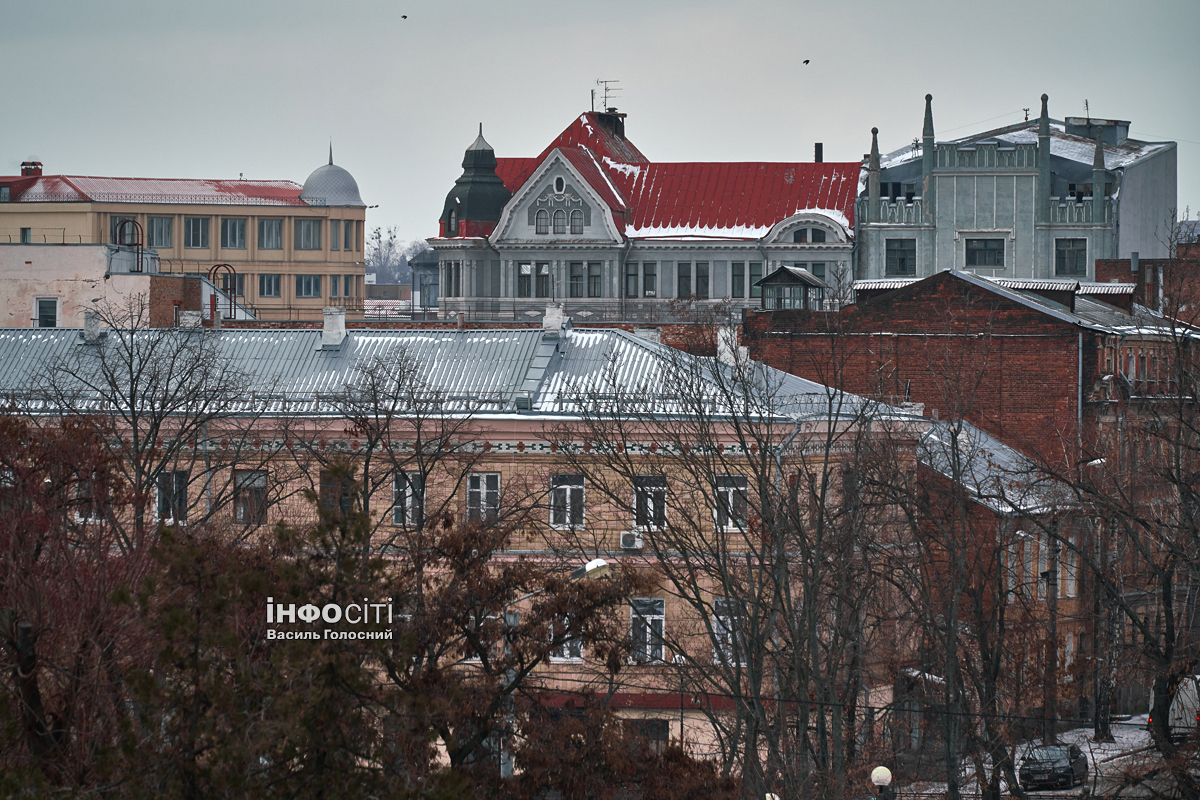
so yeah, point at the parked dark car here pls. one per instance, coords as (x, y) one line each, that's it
(1053, 765)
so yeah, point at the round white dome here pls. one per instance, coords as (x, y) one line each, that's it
(330, 185)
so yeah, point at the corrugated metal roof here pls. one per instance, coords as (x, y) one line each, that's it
(885, 283)
(1106, 288)
(710, 199)
(83, 188)
(588, 132)
(1036, 285)
(482, 371)
(1000, 477)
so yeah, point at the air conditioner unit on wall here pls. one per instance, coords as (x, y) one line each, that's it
(632, 540)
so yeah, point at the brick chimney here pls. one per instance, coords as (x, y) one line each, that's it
(31, 169)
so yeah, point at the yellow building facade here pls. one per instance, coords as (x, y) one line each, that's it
(291, 250)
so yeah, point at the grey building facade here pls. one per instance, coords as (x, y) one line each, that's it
(1040, 199)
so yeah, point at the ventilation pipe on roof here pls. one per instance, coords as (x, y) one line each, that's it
(818, 152)
(334, 330)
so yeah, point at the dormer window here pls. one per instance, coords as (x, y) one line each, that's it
(542, 222)
(559, 185)
(806, 235)
(452, 223)
(560, 221)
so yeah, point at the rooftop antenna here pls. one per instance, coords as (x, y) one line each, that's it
(1026, 110)
(608, 90)
(1086, 112)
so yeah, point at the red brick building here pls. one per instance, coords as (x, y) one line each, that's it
(1048, 367)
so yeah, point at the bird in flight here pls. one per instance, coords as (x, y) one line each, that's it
(806, 61)
(405, 16)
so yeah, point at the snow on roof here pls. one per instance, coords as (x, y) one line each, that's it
(735, 200)
(1062, 144)
(84, 188)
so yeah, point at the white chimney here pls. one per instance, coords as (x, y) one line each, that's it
(334, 330)
(554, 319)
(91, 326)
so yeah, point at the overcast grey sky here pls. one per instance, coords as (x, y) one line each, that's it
(210, 89)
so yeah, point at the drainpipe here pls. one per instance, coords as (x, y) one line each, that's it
(621, 274)
(1079, 404)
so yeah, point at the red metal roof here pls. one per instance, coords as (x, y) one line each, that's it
(82, 188)
(738, 196)
(730, 200)
(598, 132)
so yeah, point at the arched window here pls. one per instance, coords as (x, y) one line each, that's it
(542, 222)
(560, 221)
(576, 222)
(452, 224)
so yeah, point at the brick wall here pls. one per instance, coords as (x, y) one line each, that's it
(169, 291)
(1011, 370)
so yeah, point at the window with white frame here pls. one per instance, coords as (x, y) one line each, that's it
(900, 257)
(984, 252)
(1071, 584)
(308, 286)
(1043, 566)
(541, 222)
(158, 231)
(270, 234)
(729, 630)
(1070, 257)
(566, 501)
(730, 511)
(650, 501)
(576, 222)
(542, 284)
(350, 235)
(46, 309)
(195, 232)
(647, 624)
(268, 285)
(89, 498)
(233, 284)
(308, 234)
(566, 647)
(483, 496)
(172, 496)
(525, 279)
(233, 233)
(126, 233)
(408, 499)
(560, 221)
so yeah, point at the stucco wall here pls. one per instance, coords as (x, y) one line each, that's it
(72, 274)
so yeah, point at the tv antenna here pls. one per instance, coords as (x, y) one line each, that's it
(609, 89)
(1086, 112)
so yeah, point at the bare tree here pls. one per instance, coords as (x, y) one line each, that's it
(742, 483)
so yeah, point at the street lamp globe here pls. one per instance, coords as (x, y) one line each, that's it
(881, 776)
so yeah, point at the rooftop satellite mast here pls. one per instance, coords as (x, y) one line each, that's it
(609, 89)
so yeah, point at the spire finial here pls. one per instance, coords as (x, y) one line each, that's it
(481, 129)
(1044, 119)
(1098, 156)
(331, 151)
(927, 131)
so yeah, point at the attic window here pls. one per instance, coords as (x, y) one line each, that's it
(576, 222)
(560, 221)
(4, 196)
(806, 235)
(542, 222)
(559, 185)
